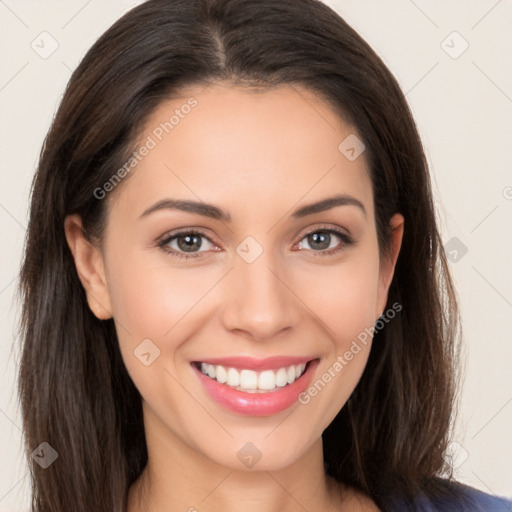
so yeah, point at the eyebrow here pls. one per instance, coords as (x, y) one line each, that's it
(210, 210)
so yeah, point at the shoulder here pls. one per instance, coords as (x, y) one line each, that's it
(466, 498)
(458, 497)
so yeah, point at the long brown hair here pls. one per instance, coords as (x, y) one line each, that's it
(74, 389)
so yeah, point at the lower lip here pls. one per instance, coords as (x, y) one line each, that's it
(257, 404)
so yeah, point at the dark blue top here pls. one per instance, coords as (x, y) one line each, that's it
(462, 499)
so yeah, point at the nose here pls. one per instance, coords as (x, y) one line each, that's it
(259, 298)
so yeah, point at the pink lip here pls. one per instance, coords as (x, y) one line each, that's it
(257, 404)
(250, 363)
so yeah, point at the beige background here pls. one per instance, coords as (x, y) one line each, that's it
(462, 102)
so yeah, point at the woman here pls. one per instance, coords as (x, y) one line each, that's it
(235, 294)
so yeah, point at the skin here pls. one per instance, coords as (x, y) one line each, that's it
(259, 156)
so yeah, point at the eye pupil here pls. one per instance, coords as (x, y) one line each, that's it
(321, 239)
(191, 242)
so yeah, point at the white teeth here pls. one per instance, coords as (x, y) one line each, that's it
(281, 377)
(248, 379)
(233, 378)
(267, 380)
(221, 374)
(252, 381)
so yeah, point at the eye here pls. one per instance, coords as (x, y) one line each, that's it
(322, 241)
(186, 244)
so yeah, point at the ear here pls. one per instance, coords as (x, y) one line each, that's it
(387, 265)
(90, 267)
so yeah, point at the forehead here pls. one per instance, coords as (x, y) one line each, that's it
(245, 147)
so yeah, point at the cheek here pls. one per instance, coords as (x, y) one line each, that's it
(345, 304)
(343, 296)
(150, 299)
(154, 308)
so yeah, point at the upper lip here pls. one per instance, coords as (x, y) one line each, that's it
(251, 363)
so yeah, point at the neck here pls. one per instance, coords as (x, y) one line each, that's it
(179, 478)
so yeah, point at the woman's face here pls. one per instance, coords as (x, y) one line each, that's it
(265, 276)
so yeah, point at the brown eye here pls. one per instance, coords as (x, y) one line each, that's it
(186, 244)
(325, 241)
(189, 243)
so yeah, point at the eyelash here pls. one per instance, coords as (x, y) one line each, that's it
(162, 243)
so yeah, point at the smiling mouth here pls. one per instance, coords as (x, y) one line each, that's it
(251, 381)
